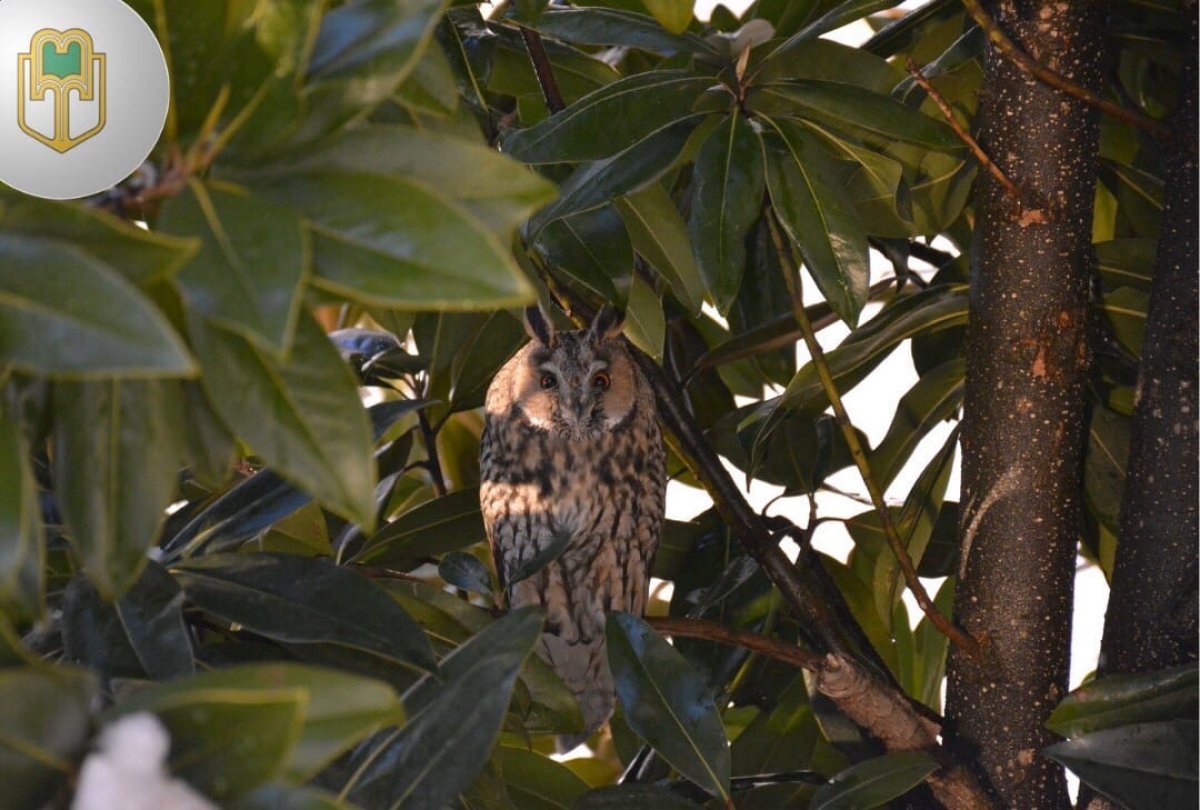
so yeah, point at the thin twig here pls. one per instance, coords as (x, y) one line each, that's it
(792, 277)
(543, 69)
(962, 133)
(715, 631)
(1004, 44)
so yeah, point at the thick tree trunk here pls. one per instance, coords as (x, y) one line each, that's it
(1023, 428)
(1151, 621)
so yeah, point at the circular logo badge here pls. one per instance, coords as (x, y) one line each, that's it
(84, 93)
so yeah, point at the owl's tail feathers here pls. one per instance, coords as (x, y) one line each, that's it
(583, 667)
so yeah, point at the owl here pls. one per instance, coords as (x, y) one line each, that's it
(573, 471)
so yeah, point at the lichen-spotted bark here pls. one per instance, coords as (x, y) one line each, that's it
(1023, 429)
(1151, 622)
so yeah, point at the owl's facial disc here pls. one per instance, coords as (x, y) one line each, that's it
(577, 388)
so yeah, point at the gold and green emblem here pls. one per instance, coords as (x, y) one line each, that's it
(61, 62)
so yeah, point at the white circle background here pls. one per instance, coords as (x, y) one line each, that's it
(138, 90)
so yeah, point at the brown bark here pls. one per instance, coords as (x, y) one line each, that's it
(1151, 621)
(1024, 412)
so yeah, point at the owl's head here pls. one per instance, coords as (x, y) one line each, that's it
(580, 383)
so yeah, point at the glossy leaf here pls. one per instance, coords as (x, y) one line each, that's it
(466, 572)
(363, 52)
(667, 703)
(1144, 766)
(841, 14)
(1121, 700)
(611, 120)
(304, 601)
(593, 248)
(597, 25)
(448, 523)
(396, 223)
(727, 199)
(493, 344)
(115, 467)
(66, 313)
(934, 398)
(874, 782)
(22, 577)
(496, 190)
(633, 797)
(303, 416)
(454, 720)
(847, 108)
(645, 324)
(673, 15)
(274, 796)
(660, 236)
(140, 256)
(249, 273)
(594, 184)
(537, 782)
(45, 723)
(819, 220)
(228, 739)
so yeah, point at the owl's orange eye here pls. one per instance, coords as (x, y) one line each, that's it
(601, 381)
(548, 381)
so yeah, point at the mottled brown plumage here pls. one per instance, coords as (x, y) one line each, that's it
(572, 458)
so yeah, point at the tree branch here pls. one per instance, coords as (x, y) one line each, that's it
(536, 49)
(791, 275)
(715, 631)
(1004, 44)
(962, 133)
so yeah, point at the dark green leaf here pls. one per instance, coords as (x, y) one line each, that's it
(152, 615)
(466, 572)
(283, 797)
(874, 782)
(209, 447)
(303, 416)
(228, 740)
(597, 25)
(141, 256)
(645, 324)
(363, 53)
(852, 109)
(446, 524)
(781, 739)
(21, 532)
(254, 257)
(1104, 465)
(934, 398)
(819, 220)
(304, 601)
(536, 782)
(727, 199)
(44, 726)
(831, 61)
(1122, 700)
(115, 467)
(66, 313)
(667, 703)
(1146, 766)
(594, 184)
(611, 120)
(493, 344)
(660, 236)
(842, 14)
(1126, 263)
(633, 797)
(593, 248)
(454, 721)
(496, 190)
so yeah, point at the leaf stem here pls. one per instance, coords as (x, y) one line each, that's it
(429, 436)
(792, 278)
(536, 49)
(962, 133)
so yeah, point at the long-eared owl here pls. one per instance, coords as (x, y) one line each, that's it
(572, 464)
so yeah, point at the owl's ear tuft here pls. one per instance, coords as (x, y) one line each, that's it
(606, 325)
(538, 327)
